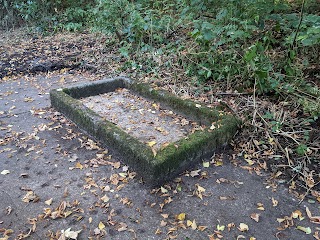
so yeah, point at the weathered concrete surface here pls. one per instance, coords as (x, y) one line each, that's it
(154, 167)
(48, 155)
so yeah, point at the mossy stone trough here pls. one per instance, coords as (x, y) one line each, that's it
(168, 161)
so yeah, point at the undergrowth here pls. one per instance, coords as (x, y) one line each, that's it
(257, 48)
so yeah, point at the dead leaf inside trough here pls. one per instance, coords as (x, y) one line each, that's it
(146, 120)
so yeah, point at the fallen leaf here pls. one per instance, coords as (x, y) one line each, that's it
(260, 206)
(122, 227)
(152, 143)
(202, 228)
(123, 174)
(163, 223)
(163, 190)
(194, 225)
(48, 202)
(195, 173)
(200, 189)
(220, 228)
(274, 202)
(181, 216)
(241, 237)
(105, 198)
(307, 230)
(297, 214)
(165, 216)
(206, 164)
(69, 234)
(314, 219)
(255, 216)
(79, 166)
(30, 197)
(5, 172)
(101, 226)
(243, 227)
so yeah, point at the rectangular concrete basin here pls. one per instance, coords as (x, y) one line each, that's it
(155, 166)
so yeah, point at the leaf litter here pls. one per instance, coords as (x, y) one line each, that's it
(146, 120)
(117, 181)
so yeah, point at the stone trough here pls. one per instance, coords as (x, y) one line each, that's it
(158, 134)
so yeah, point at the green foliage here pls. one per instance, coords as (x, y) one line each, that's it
(50, 15)
(133, 22)
(231, 42)
(8, 15)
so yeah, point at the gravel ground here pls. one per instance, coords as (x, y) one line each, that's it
(56, 181)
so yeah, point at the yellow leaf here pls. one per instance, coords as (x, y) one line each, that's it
(79, 166)
(61, 80)
(206, 164)
(218, 163)
(163, 190)
(250, 162)
(220, 228)
(152, 143)
(181, 216)
(101, 226)
(90, 219)
(189, 223)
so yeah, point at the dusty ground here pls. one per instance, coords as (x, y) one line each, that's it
(54, 178)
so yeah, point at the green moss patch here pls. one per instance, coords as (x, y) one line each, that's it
(154, 167)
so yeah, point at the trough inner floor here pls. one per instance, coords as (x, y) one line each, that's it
(141, 118)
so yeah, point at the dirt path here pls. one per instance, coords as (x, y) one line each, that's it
(53, 177)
